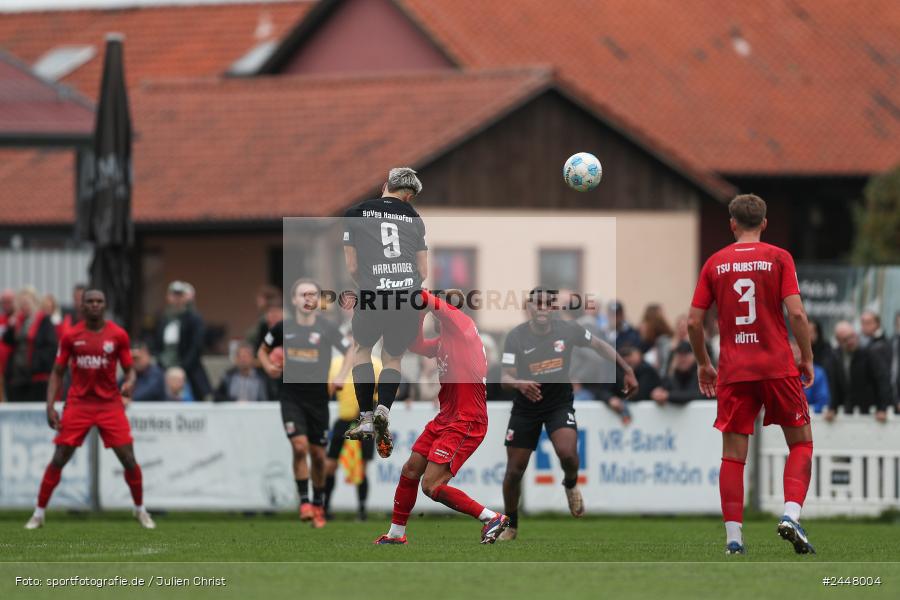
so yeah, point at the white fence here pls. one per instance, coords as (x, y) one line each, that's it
(855, 467)
(235, 457)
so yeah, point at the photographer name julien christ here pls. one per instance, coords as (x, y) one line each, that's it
(190, 581)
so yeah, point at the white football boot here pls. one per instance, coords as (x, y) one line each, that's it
(35, 522)
(144, 518)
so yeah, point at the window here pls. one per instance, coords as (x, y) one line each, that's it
(62, 60)
(560, 268)
(454, 268)
(250, 63)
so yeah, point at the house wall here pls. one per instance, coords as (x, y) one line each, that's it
(518, 161)
(618, 262)
(225, 268)
(366, 36)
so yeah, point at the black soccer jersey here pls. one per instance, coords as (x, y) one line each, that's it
(545, 359)
(307, 350)
(387, 233)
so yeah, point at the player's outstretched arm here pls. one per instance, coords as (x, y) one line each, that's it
(800, 328)
(706, 373)
(53, 387)
(629, 382)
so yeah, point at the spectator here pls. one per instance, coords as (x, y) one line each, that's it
(178, 341)
(876, 341)
(267, 297)
(50, 307)
(176, 385)
(819, 394)
(31, 343)
(823, 353)
(681, 386)
(150, 383)
(656, 335)
(595, 319)
(7, 310)
(895, 362)
(859, 379)
(647, 377)
(243, 382)
(625, 334)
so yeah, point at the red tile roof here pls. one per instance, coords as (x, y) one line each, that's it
(37, 187)
(30, 106)
(166, 41)
(761, 87)
(239, 149)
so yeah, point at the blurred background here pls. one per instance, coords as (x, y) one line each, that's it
(242, 113)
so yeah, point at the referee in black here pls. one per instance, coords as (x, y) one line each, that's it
(307, 341)
(386, 255)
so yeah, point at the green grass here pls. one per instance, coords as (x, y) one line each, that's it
(618, 557)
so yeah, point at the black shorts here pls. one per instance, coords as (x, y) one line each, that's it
(397, 325)
(524, 429)
(306, 417)
(337, 441)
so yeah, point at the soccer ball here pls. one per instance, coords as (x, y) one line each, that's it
(582, 172)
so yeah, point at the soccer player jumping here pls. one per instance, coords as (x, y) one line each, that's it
(94, 347)
(387, 257)
(458, 429)
(749, 281)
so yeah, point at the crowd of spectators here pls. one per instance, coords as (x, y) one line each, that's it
(857, 369)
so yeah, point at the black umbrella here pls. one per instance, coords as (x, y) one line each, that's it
(104, 190)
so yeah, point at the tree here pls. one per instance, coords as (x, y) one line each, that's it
(878, 221)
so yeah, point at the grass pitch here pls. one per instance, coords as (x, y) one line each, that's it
(279, 557)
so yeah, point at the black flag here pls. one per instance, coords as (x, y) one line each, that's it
(104, 188)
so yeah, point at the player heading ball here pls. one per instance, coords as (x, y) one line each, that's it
(386, 255)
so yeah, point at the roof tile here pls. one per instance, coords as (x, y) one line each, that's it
(763, 87)
(240, 149)
(164, 41)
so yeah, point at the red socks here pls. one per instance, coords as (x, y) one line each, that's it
(731, 489)
(458, 500)
(52, 475)
(797, 472)
(404, 500)
(135, 480)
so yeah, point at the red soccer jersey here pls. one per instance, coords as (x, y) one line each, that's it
(93, 356)
(462, 364)
(749, 282)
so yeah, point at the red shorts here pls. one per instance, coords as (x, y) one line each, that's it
(739, 404)
(109, 417)
(453, 443)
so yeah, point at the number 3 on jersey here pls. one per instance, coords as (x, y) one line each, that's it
(390, 239)
(746, 289)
